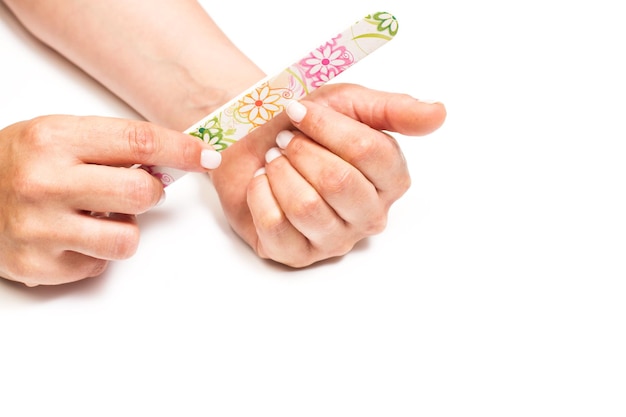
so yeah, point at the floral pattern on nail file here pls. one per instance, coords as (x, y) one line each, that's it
(268, 97)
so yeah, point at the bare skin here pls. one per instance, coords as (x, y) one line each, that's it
(51, 182)
(338, 160)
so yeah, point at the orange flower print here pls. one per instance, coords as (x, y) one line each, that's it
(260, 104)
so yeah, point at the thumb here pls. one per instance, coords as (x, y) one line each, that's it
(394, 112)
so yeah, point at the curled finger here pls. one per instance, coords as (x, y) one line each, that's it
(277, 238)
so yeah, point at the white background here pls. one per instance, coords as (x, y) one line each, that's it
(496, 290)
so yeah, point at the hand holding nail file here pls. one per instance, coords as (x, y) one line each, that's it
(270, 96)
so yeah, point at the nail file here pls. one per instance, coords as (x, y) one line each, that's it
(269, 97)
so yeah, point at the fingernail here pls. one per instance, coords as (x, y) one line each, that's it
(296, 111)
(283, 138)
(260, 171)
(428, 101)
(210, 159)
(100, 214)
(272, 154)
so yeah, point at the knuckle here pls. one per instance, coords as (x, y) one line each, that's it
(306, 205)
(37, 133)
(143, 142)
(30, 179)
(363, 149)
(339, 244)
(336, 178)
(306, 256)
(272, 224)
(297, 145)
(374, 224)
(371, 221)
(315, 120)
(316, 253)
(339, 249)
(401, 185)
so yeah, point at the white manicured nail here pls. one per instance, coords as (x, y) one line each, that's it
(296, 111)
(272, 154)
(260, 171)
(283, 138)
(210, 159)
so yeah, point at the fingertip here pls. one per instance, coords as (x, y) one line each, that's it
(439, 114)
(296, 111)
(283, 138)
(429, 116)
(259, 172)
(210, 158)
(259, 181)
(272, 154)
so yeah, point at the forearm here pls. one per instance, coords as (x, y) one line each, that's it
(165, 58)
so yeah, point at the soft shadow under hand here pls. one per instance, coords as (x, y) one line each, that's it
(293, 272)
(15, 294)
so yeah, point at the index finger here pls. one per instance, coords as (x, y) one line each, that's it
(354, 141)
(114, 141)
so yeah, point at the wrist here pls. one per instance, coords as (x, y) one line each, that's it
(187, 98)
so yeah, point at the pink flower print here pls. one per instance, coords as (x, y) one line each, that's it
(261, 103)
(165, 178)
(327, 60)
(321, 79)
